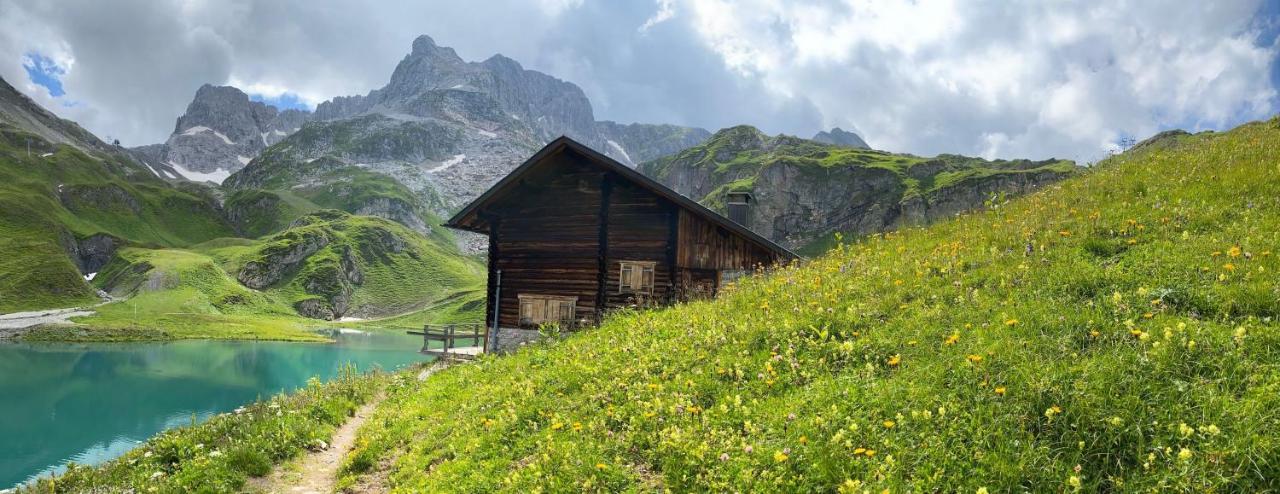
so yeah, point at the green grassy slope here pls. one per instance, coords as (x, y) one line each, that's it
(58, 193)
(195, 293)
(736, 156)
(1113, 332)
(807, 191)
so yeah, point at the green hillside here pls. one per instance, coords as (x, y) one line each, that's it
(805, 192)
(56, 195)
(354, 265)
(1113, 332)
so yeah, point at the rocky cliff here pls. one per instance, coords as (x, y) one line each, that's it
(804, 191)
(221, 131)
(443, 129)
(841, 137)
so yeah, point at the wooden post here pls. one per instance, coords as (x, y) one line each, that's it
(602, 255)
(673, 243)
(448, 338)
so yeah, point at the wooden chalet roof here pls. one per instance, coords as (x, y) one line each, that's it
(469, 218)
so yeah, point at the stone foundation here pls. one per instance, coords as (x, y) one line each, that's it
(510, 339)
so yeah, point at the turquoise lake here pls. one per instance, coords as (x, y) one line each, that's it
(89, 403)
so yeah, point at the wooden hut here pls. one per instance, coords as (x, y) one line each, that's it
(573, 233)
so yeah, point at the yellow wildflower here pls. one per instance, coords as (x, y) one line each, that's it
(557, 426)
(894, 360)
(779, 457)
(1184, 454)
(600, 466)
(975, 358)
(1073, 481)
(1000, 390)
(1011, 322)
(1234, 251)
(1229, 267)
(951, 340)
(888, 424)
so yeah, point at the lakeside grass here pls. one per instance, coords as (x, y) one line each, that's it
(1114, 332)
(220, 454)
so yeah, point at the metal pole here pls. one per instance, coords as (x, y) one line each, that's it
(497, 311)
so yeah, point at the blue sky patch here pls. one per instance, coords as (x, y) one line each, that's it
(286, 101)
(44, 71)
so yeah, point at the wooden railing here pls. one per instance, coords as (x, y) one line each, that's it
(449, 335)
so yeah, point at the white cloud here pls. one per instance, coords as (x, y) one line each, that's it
(1000, 78)
(666, 10)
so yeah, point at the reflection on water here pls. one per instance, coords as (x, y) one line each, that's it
(88, 403)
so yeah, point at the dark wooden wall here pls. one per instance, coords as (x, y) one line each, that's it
(564, 228)
(640, 229)
(707, 246)
(547, 236)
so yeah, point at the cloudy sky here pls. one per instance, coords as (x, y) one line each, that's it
(992, 78)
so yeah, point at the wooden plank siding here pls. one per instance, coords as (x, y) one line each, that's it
(563, 223)
(705, 245)
(548, 237)
(638, 231)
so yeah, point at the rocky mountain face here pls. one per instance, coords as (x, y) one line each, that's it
(841, 137)
(221, 131)
(443, 129)
(69, 202)
(804, 191)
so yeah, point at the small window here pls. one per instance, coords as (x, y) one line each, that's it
(538, 309)
(635, 277)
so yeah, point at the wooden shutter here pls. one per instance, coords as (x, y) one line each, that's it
(636, 276)
(538, 309)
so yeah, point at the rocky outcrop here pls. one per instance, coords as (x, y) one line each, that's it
(91, 253)
(803, 190)
(840, 137)
(632, 144)
(98, 198)
(221, 131)
(394, 210)
(281, 257)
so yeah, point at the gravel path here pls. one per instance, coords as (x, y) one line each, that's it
(18, 322)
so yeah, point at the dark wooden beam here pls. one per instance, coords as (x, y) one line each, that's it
(673, 242)
(490, 308)
(602, 256)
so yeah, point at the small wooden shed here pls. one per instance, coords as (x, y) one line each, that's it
(573, 233)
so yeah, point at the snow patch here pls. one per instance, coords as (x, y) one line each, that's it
(618, 147)
(46, 155)
(486, 133)
(200, 128)
(90, 276)
(244, 160)
(264, 138)
(280, 132)
(216, 176)
(457, 158)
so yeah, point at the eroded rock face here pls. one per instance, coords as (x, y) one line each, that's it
(221, 131)
(841, 137)
(91, 253)
(315, 308)
(803, 190)
(111, 197)
(281, 258)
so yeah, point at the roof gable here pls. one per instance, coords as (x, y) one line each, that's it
(469, 217)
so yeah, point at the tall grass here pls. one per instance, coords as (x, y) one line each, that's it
(1114, 332)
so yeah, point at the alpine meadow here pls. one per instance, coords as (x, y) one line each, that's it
(668, 246)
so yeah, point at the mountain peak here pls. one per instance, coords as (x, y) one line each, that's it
(841, 137)
(424, 46)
